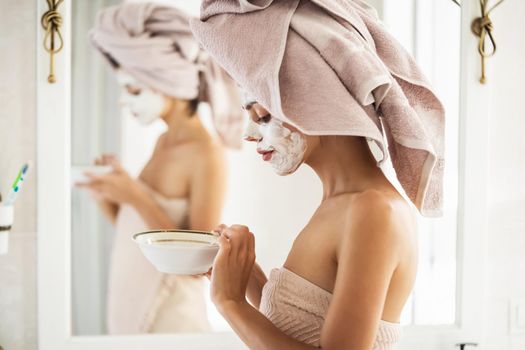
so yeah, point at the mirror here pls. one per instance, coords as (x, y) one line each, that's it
(99, 126)
(254, 195)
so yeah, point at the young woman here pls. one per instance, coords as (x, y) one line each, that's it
(163, 75)
(327, 81)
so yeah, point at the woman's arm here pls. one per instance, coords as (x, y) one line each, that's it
(108, 209)
(255, 285)
(118, 187)
(367, 258)
(256, 330)
(230, 275)
(152, 213)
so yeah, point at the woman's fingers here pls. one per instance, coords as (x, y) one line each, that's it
(238, 234)
(220, 228)
(225, 243)
(251, 243)
(240, 238)
(103, 159)
(114, 164)
(242, 243)
(236, 241)
(224, 249)
(240, 228)
(244, 235)
(106, 157)
(206, 274)
(92, 177)
(251, 248)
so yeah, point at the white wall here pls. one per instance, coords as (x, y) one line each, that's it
(17, 145)
(506, 241)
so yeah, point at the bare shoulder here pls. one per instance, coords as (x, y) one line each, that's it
(380, 220)
(209, 154)
(208, 163)
(380, 208)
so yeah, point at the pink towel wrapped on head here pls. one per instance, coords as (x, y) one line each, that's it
(154, 44)
(329, 67)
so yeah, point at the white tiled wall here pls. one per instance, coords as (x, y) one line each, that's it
(17, 145)
(18, 294)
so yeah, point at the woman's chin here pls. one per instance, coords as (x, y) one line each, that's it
(281, 171)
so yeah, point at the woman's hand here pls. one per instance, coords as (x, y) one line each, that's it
(232, 266)
(116, 187)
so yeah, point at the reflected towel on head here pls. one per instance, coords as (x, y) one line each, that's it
(329, 67)
(153, 43)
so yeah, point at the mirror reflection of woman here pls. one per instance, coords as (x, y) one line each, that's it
(325, 81)
(163, 75)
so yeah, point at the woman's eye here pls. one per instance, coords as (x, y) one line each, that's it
(132, 90)
(265, 120)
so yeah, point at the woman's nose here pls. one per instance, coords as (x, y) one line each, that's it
(252, 133)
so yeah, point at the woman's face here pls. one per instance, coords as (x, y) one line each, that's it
(280, 144)
(142, 102)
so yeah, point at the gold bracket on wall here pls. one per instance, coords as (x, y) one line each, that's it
(483, 27)
(51, 21)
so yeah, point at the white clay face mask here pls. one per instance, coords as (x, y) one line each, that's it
(146, 105)
(282, 147)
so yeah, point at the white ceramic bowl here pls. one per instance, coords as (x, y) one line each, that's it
(180, 252)
(78, 173)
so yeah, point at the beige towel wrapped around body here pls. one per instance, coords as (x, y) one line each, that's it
(154, 44)
(298, 307)
(140, 298)
(329, 67)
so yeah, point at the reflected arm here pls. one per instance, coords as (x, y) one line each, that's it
(109, 210)
(151, 212)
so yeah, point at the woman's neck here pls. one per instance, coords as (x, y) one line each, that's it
(183, 127)
(346, 165)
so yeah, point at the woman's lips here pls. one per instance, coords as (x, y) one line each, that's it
(266, 154)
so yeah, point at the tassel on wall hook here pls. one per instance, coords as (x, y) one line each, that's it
(53, 42)
(483, 27)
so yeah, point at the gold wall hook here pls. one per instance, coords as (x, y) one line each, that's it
(51, 22)
(483, 27)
